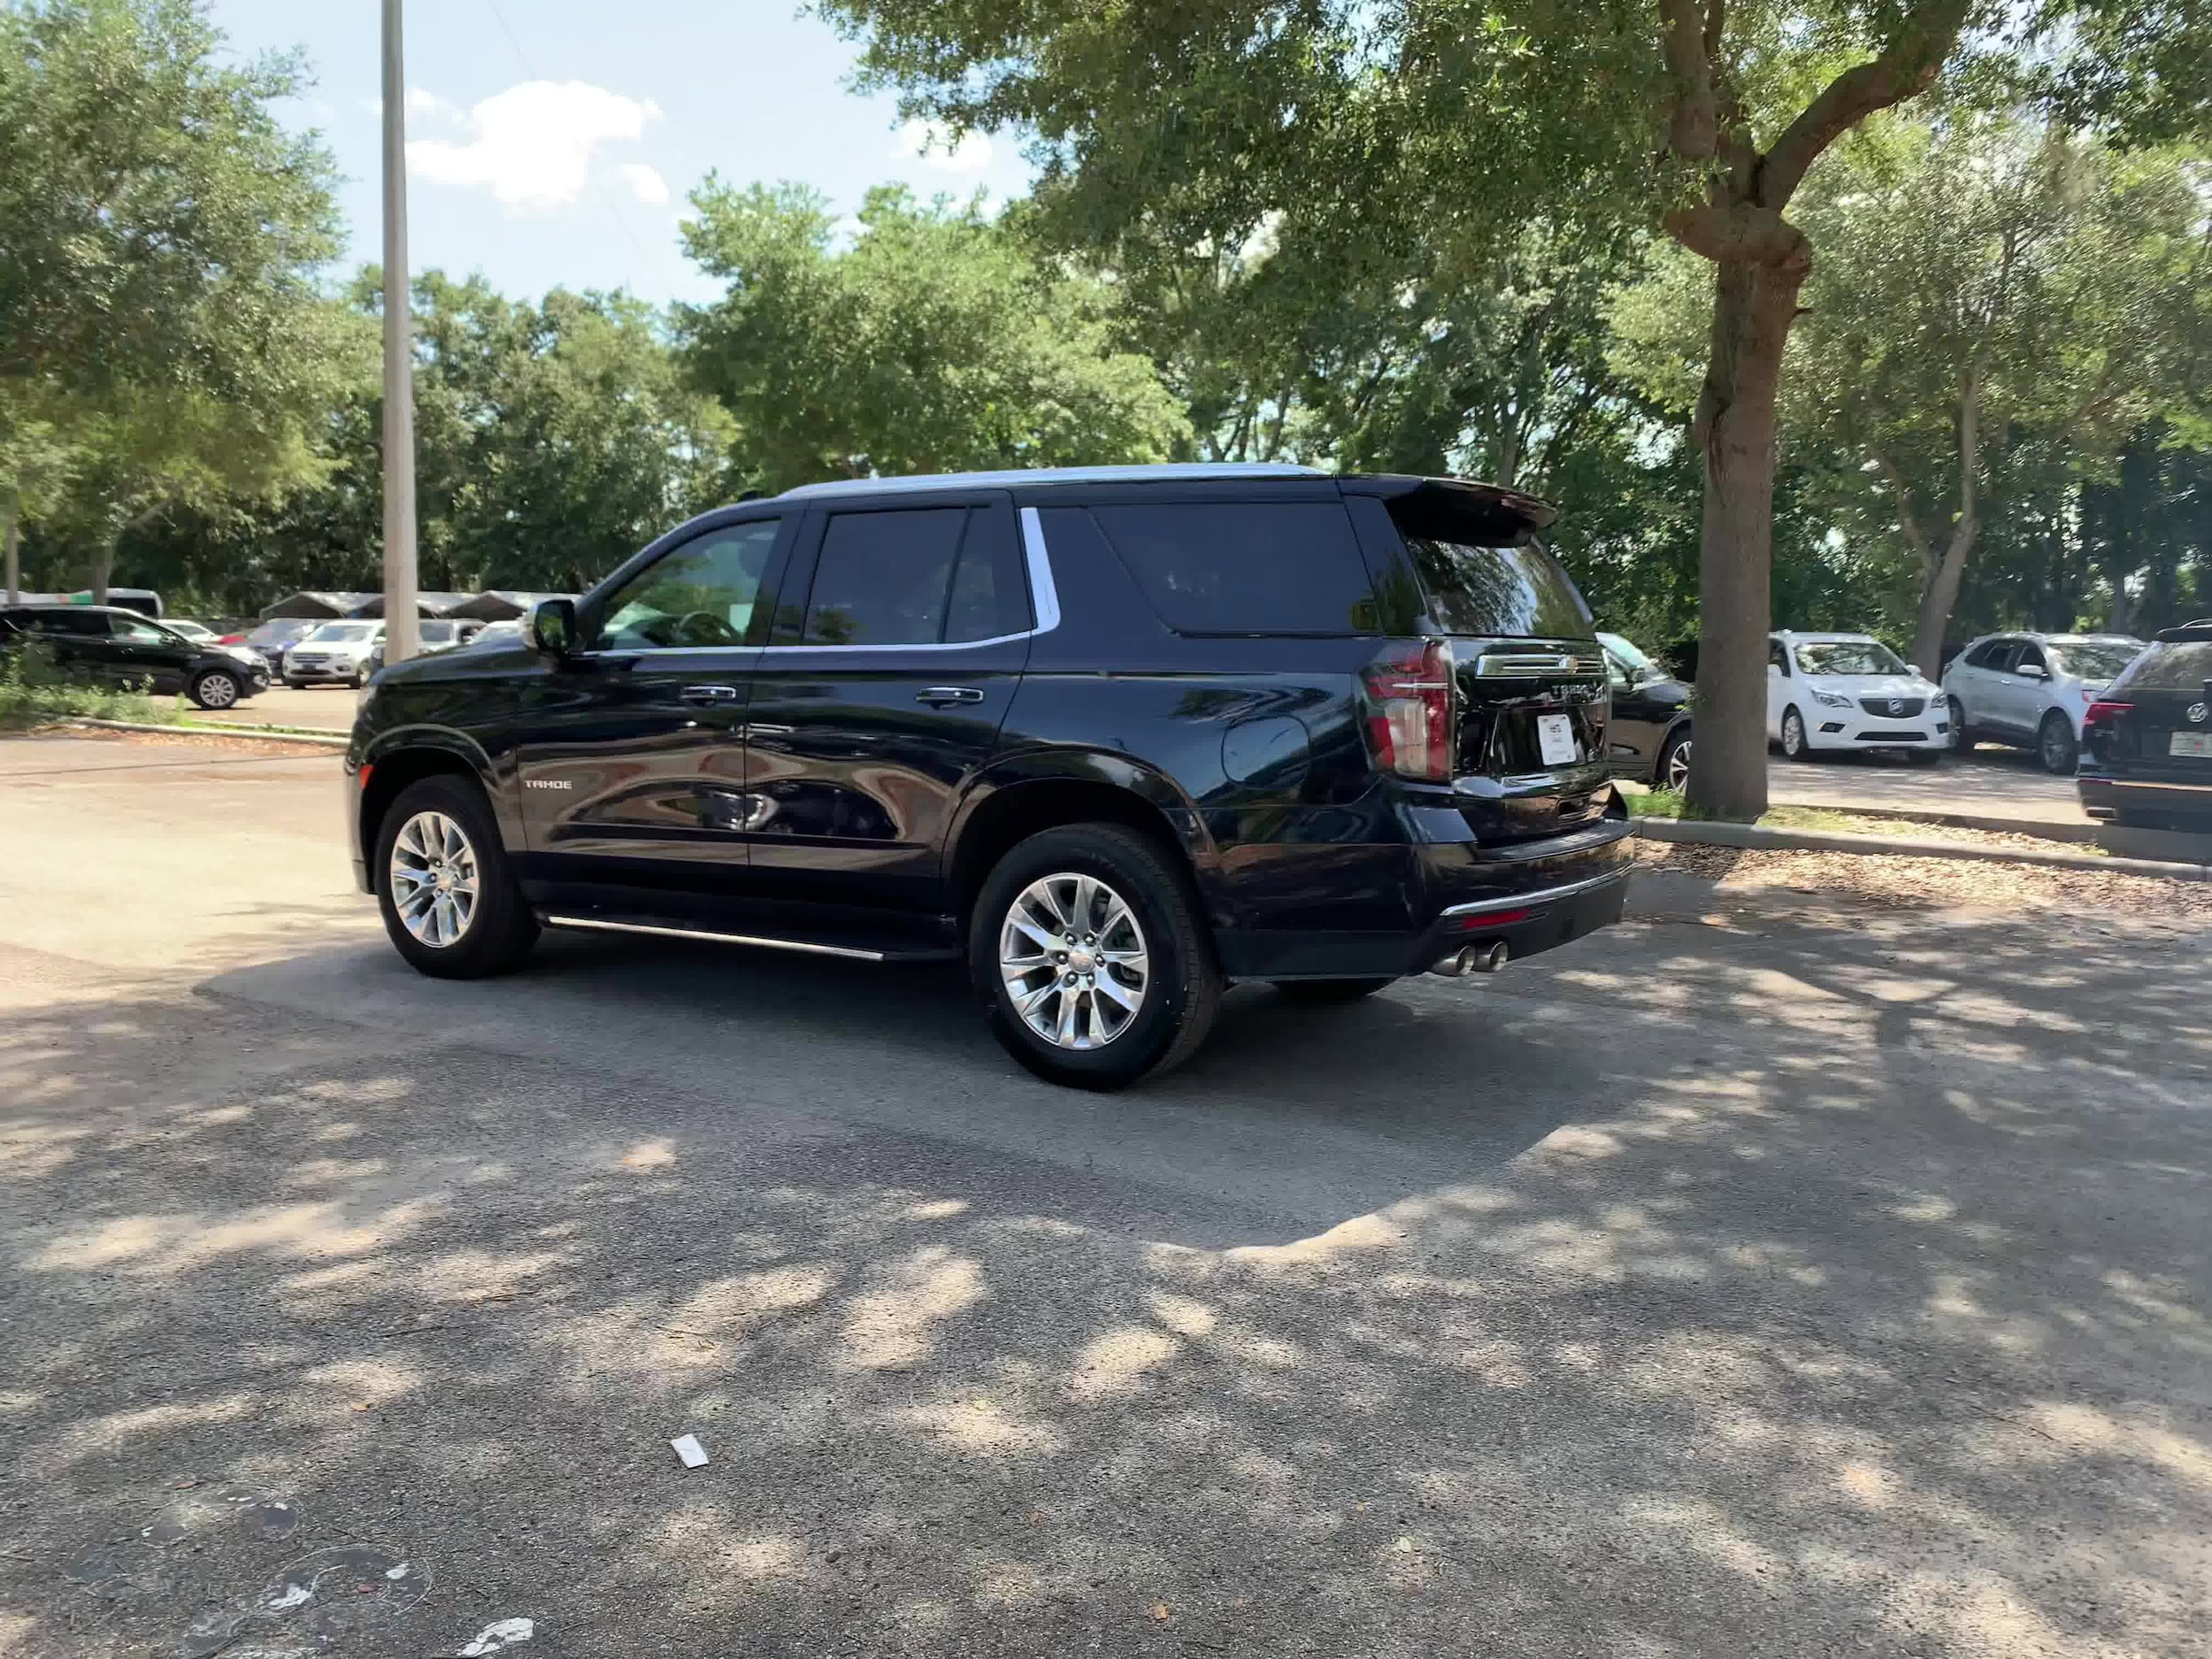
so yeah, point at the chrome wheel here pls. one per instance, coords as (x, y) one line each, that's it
(1073, 961)
(1794, 734)
(1678, 778)
(434, 879)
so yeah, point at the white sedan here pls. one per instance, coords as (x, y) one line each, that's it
(1838, 691)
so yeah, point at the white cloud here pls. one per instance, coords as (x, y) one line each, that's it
(645, 183)
(532, 146)
(935, 145)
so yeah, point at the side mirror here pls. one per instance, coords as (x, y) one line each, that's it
(553, 626)
(2029, 671)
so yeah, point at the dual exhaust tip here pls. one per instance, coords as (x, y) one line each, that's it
(1473, 959)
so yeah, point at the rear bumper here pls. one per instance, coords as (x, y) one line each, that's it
(2106, 798)
(1530, 897)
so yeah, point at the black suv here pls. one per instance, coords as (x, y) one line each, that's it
(1117, 736)
(2146, 742)
(110, 645)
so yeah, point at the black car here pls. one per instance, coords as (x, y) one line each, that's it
(1648, 737)
(2146, 744)
(1115, 736)
(113, 646)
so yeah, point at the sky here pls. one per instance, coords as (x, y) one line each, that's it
(552, 142)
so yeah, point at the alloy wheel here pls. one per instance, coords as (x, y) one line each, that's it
(1678, 778)
(1075, 960)
(218, 691)
(434, 876)
(1793, 734)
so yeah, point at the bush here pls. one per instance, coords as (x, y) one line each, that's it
(33, 690)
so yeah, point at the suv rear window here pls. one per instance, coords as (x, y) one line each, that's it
(1482, 583)
(2183, 666)
(1257, 567)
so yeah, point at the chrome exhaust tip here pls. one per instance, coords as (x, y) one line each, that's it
(1480, 960)
(1452, 966)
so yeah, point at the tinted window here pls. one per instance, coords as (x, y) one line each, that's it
(81, 623)
(437, 633)
(140, 632)
(2031, 657)
(883, 578)
(1516, 591)
(990, 591)
(1262, 567)
(700, 596)
(2183, 666)
(1988, 653)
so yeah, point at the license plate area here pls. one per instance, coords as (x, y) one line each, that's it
(2195, 745)
(1555, 739)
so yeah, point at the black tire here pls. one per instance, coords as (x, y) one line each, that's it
(1962, 733)
(1674, 755)
(1804, 749)
(501, 930)
(2057, 746)
(217, 688)
(1330, 992)
(295, 685)
(1183, 988)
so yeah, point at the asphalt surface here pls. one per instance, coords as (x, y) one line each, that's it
(318, 708)
(1797, 1280)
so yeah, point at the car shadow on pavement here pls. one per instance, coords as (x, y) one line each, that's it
(1709, 1289)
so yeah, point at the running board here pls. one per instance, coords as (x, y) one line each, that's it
(596, 924)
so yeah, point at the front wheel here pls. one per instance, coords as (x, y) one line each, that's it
(450, 900)
(217, 688)
(1793, 744)
(1089, 948)
(1673, 770)
(2056, 747)
(1962, 733)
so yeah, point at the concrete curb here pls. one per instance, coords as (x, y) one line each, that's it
(1755, 837)
(260, 734)
(2043, 829)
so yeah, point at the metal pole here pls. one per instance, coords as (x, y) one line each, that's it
(401, 636)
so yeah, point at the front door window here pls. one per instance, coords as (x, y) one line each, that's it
(700, 596)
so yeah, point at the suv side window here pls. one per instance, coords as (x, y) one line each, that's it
(2031, 657)
(77, 624)
(885, 578)
(1245, 567)
(1988, 653)
(140, 632)
(701, 594)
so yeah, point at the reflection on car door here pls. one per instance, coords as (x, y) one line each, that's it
(146, 655)
(882, 693)
(631, 756)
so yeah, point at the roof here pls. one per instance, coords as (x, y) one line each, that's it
(1825, 639)
(1162, 471)
(2054, 639)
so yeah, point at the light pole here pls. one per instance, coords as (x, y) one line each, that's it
(401, 636)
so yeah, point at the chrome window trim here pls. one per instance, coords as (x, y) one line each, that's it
(1044, 598)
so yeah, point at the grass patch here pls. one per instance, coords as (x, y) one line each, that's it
(33, 691)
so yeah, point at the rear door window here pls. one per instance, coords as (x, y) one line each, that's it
(884, 578)
(1245, 567)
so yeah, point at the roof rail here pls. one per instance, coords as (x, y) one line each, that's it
(1162, 471)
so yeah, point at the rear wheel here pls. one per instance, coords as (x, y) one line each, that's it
(2056, 746)
(447, 894)
(217, 688)
(1330, 992)
(1088, 946)
(1793, 744)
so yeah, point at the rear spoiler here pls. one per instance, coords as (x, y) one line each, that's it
(1487, 510)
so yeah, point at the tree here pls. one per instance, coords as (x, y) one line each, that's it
(1345, 126)
(934, 343)
(160, 236)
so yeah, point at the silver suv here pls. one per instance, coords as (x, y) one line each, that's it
(2031, 689)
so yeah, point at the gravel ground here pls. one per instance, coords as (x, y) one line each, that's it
(1891, 879)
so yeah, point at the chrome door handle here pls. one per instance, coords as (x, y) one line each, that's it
(940, 696)
(709, 694)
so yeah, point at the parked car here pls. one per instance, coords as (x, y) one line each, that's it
(506, 632)
(2146, 757)
(271, 640)
(435, 635)
(1648, 737)
(1115, 736)
(1849, 691)
(110, 645)
(2033, 689)
(335, 653)
(199, 633)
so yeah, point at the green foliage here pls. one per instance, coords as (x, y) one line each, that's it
(932, 343)
(33, 691)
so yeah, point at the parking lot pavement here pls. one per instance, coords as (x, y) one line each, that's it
(1793, 1280)
(318, 708)
(1992, 783)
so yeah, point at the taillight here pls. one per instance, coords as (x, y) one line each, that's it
(2101, 713)
(1410, 696)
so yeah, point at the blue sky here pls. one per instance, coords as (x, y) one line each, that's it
(553, 142)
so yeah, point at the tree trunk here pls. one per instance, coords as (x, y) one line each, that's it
(1939, 597)
(10, 511)
(103, 563)
(1753, 305)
